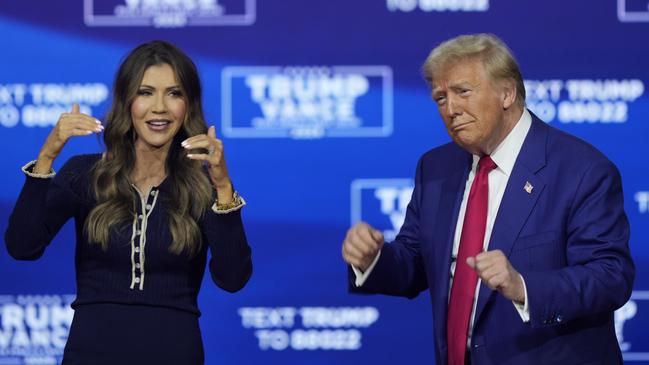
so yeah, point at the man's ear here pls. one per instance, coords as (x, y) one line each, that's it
(508, 93)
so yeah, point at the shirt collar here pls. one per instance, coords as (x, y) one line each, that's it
(507, 151)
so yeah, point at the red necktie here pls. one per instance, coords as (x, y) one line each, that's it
(465, 279)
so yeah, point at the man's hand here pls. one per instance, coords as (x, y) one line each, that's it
(495, 270)
(361, 245)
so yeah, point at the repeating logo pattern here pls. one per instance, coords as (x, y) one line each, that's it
(382, 203)
(583, 100)
(168, 13)
(631, 334)
(307, 102)
(308, 328)
(642, 198)
(633, 10)
(438, 5)
(34, 328)
(41, 104)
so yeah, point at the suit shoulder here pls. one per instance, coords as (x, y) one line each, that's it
(569, 148)
(446, 154)
(442, 160)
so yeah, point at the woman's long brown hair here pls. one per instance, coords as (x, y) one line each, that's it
(190, 190)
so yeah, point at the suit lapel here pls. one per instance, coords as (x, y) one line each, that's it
(521, 194)
(452, 190)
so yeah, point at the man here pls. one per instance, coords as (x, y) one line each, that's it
(516, 228)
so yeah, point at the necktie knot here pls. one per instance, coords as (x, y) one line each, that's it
(486, 164)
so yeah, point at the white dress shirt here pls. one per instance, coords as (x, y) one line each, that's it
(504, 156)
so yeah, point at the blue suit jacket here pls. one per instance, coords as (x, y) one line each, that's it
(568, 238)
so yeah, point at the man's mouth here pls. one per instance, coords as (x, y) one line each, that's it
(460, 125)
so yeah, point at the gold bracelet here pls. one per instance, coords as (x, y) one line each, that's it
(235, 202)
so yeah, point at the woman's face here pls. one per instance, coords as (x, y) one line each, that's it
(159, 108)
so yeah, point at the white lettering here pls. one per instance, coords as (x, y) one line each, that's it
(543, 89)
(12, 317)
(593, 112)
(544, 110)
(267, 317)
(437, 5)
(9, 116)
(275, 340)
(92, 94)
(13, 94)
(584, 101)
(325, 340)
(323, 327)
(34, 327)
(37, 317)
(642, 197)
(5, 337)
(40, 104)
(394, 203)
(623, 314)
(20, 339)
(627, 90)
(338, 317)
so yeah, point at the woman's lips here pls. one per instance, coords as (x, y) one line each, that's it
(158, 124)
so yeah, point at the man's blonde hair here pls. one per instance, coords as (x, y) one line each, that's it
(496, 57)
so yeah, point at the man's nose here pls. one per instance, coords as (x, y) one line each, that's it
(453, 108)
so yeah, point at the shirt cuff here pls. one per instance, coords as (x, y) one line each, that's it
(237, 203)
(27, 169)
(523, 309)
(361, 277)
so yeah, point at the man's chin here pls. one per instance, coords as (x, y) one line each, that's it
(466, 142)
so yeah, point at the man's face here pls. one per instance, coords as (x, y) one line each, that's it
(472, 105)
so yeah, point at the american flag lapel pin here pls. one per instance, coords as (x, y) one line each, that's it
(528, 187)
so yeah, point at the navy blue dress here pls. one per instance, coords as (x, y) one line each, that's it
(136, 301)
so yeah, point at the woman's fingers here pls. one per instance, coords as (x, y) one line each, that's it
(201, 138)
(213, 146)
(199, 156)
(81, 121)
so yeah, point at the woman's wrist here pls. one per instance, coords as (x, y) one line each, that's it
(43, 164)
(223, 183)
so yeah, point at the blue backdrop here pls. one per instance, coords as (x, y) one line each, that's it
(324, 114)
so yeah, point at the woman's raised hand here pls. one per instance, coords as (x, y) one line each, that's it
(69, 125)
(215, 160)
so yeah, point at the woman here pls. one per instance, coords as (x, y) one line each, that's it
(146, 212)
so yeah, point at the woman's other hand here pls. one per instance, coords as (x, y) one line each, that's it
(215, 160)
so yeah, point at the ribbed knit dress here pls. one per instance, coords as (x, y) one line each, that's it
(136, 301)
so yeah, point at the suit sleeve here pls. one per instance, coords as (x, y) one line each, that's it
(231, 260)
(400, 269)
(599, 274)
(43, 206)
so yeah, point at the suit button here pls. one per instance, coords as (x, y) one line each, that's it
(559, 319)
